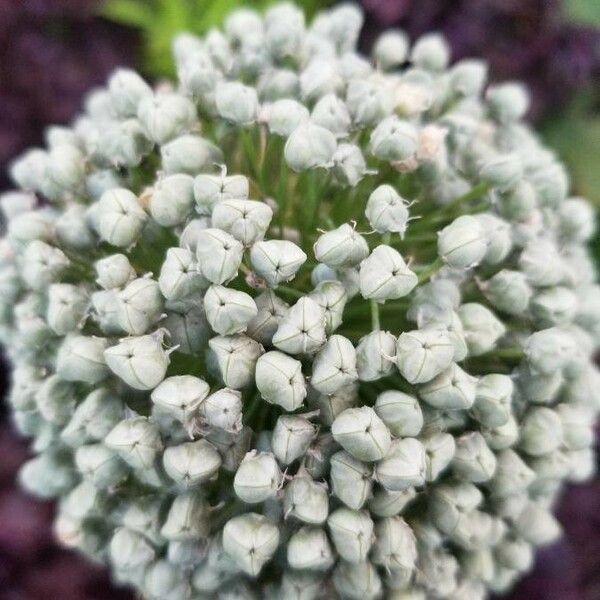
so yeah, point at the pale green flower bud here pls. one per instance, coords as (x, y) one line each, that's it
(508, 291)
(507, 102)
(541, 263)
(81, 358)
(371, 353)
(209, 190)
(362, 433)
(537, 526)
(393, 140)
(423, 354)
(331, 405)
(349, 165)
(292, 436)
(331, 296)
(577, 424)
(302, 329)
(127, 89)
(431, 52)
(66, 167)
(452, 504)
(514, 553)
(576, 220)
(140, 305)
(275, 85)
(165, 581)
(223, 409)
(236, 357)
(280, 381)
(72, 228)
(245, 220)
(387, 211)
(439, 452)
(276, 261)
(482, 329)
(258, 477)
(130, 550)
(549, 350)
(100, 465)
(31, 225)
(236, 103)
(351, 480)
(188, 518)
(334, 366)
(352, 533)
(403, 466)
(395, 546)
(309, 146)
(468, 77)
(284, 30)
(498, 235)
(136, 440)
(309, 549)
(187, 326)
(512, 475)
(114, 271)
(539, 388)
(55, 400)
(192, 463)
(385, 276)
(390, 504)
(391, 49)
(122, 144)
(331, 112)
(232, 445)
(554, 306)
(242, 22)
(400, 412)
(306, 500)
(141, 362)
(369, 100)
(453, 389)
(503, 436)
(250, 540)
(319, 78)
(462, 244)
(503, 171)
(121, 218)
(67, 306)
(166, 115)
(271, 309)
(172, 199)
(541, 431)
(473, 460)
(48, 475)
(228, 311)
(284, 115)
(341, 247)
(493, 400)
(219, 255)
(190, 154)
(357, 581)
(180, 276)
(42, 265)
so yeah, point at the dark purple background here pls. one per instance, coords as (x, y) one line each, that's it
(52, 51)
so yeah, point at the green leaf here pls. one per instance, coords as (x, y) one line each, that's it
(586, 12)
(135, 13)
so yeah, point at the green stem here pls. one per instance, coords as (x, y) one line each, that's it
(282, 195)
(430, 270)
(250, 153)
(284, 289)
(375, 322)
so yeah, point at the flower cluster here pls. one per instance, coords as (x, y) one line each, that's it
(303, 324)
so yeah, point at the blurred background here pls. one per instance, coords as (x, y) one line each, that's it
(53, 51)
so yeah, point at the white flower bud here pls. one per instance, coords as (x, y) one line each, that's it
(423, 354)
(165, 580)
(140, 305)
(331, 296)
(331, 113)
(349, 165)
(468, 77)
(228, 311)
(554, 306)
(141, 362)
(130, 550)
(541, 431)
(274, 85)
(114, 271)
(351, 480)
(136, 440)
(385, 276)
(250, 540)
(371, 353)
(219, 255)
(245, 220)
(482, 329)
(280, 381)
(127, 89)
(72, 228)
(508, 291)
(172, 199)
(576, 220)
(395, 546)
(403, 466)
(541, 263)
(387, 211)
(512, 475)
(393, 140)
(549, 350)
(498, 235)
(67, 305)
(537, 526)
(507, 102)
(187, 326)
(357, 581)
(302, 329)
(341, 247)
(179, 275)
(192, 463)
(81, 358)
(42, 265)
(453, 389)
(271, 309)
(284, 115)
(352, 533)
(209, 190)
(331, 405)
(309, 549)
(223, 409)
(236, 357)
(473, 460)
(187, 519)
(369, 100)
(577, 425)
(166, 115)
(503, 171)
(276, 261)
(122, 144)
(100, 465)
(190, 154)
(391, 49)
(334, 365)
(390, 504)
(362, 433)
(284, 30)
(514, 553)
(503, 436)
(181, 395)
(400, 412)
(236, 103)
(493, 400)
(431, 52)
(306, 500)
(309, 146)
(462, 244)
(439, 452)
(319, 78)
(292, 436)
(121, 218)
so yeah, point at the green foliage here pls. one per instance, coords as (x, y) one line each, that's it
(159, 20)
(585, 12)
